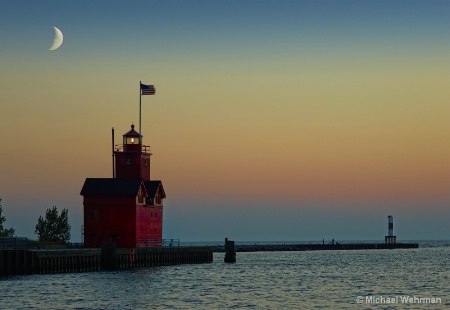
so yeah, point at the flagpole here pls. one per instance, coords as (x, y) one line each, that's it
(140, 112)
(113, 155)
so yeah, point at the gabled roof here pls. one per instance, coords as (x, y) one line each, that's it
(111, 187)
(152, 188)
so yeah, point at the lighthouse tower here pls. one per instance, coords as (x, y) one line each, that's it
(132, 158)
(128, 208)
(390, 238)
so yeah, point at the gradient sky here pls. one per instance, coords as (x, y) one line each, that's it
(273, 120)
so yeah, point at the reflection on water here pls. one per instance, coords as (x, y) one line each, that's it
(271, 280)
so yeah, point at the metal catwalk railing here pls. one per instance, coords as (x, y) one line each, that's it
(15, 243)
(121, 147)
(157, 243)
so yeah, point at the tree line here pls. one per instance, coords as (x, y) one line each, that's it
(52, 227)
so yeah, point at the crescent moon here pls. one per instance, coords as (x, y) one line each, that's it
(58, 39)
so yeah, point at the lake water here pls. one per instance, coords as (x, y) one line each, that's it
(378, 279)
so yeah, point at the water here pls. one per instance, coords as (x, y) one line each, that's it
(259, 280)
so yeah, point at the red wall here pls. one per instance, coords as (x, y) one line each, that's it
(106, 217)
(136, 168)
(149, 222)
(120, 218)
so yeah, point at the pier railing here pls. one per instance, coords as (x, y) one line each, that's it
(157, 243)
(15, 243)
(74, 245)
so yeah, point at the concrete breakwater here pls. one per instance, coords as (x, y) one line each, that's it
(23, 262)
(318, 247)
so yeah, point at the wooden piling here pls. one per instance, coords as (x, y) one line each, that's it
(230, 251)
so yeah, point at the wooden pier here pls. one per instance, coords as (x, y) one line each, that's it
(25, 262)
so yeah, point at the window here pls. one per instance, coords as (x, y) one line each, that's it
(92, 216)
(140, 197)
(157, 200)
(145, 161)
(128, 161)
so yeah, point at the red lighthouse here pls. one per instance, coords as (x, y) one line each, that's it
(132, 158)
(129, 207)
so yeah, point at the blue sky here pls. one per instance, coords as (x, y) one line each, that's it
(273, 120)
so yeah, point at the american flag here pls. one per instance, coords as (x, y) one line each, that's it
(147, 89)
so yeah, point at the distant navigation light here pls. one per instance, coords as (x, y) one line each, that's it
(390, 226)
(390, 238)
